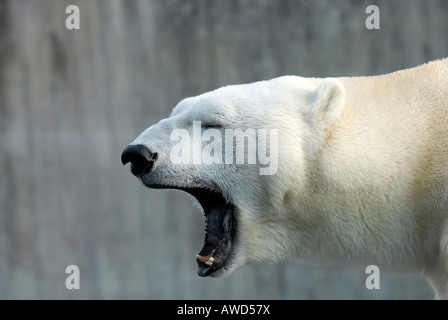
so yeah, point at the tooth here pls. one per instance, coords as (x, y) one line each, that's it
(202, 258)
(210, 261)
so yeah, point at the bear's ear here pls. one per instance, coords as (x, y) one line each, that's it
(327, 102)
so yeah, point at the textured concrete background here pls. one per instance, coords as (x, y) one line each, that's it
(71, 100)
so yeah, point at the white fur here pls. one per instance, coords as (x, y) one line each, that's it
(362, 176)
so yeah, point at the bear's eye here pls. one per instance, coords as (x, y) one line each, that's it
(206, 125)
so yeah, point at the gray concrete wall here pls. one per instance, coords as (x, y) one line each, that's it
(71, 100)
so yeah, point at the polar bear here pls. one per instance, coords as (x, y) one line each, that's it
(361, 174)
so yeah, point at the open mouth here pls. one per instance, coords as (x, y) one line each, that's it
(220, 220)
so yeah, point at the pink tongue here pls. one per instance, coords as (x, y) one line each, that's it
(202, 258)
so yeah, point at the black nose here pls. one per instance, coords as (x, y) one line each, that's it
(142, 160)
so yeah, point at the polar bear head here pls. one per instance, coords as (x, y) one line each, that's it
(243, 153)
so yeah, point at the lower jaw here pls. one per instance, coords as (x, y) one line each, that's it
(216, 254)
(216, 273)
(215, 262)
(215, 265)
